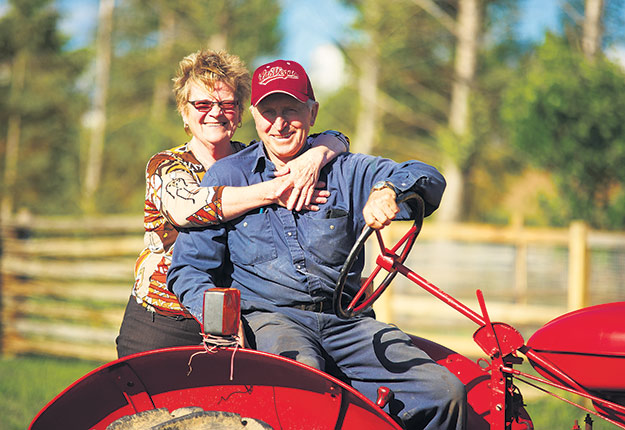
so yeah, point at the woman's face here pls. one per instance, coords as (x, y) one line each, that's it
(208, 121)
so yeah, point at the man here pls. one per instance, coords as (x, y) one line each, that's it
(286, 263)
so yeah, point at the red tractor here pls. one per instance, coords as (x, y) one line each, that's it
(225, 387)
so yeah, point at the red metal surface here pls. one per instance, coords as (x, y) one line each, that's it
(588, 345)
(478, 383)
(281, 392)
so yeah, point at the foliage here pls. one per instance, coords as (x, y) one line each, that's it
(413, 54)
(150, 38)
(338, 113)
(44, 99)
(51, 106)
(567, 115)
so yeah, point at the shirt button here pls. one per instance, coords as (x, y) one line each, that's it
(332, 227)
(245, 224)
(289, 234)
(299, 266)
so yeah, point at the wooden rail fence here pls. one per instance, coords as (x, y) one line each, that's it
(65, 281)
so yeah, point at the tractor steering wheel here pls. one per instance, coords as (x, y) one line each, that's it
(388, 259)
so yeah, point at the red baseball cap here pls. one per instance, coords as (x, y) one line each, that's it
(281, 76)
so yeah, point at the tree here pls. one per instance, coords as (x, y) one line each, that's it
(93, 168)
(368, 64)
(41, 115)
(400, 60)
(420, 61)
(149, 39)
(567, 113)
(591, 38)
(467, 31)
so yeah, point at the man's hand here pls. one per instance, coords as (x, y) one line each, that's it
(381, 208)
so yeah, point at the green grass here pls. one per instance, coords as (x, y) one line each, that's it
(27, 384)
(548, 413)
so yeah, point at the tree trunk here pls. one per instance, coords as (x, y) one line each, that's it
(14, 128)
(592, 31)
(219, 39)
(98, 115)
(368, 69)
(467, 32)
(162, 85)
(367, 119)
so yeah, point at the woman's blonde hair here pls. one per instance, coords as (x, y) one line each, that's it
(207, 67)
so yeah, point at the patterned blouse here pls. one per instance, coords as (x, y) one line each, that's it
(173, 199)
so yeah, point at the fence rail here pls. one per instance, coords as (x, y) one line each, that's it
(65, 281)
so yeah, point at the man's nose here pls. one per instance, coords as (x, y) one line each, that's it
(280, 123)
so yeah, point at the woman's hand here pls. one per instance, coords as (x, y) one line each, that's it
(301, 176)
(286, 194)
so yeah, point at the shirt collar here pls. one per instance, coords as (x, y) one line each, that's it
(263, 162)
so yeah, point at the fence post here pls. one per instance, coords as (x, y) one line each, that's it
(579, 266)
(520, 260)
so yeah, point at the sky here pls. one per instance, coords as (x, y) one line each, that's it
(308, 23)
(310, 26)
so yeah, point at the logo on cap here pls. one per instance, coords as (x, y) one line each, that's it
(276, 72)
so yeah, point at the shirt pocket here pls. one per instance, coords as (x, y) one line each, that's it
(328, 240)
(250, 240)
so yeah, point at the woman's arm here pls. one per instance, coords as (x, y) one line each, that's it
(294, 187)
(303, 172)
(184, 203)
(236, 201)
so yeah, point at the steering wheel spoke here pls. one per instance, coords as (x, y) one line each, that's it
(388, 260)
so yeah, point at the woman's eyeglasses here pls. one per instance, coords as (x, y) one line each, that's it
(207, 105)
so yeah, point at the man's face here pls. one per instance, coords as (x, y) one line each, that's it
(283, 123)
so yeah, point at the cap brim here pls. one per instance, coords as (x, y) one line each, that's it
(296, 95)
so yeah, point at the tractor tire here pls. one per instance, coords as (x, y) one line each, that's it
(188, 418)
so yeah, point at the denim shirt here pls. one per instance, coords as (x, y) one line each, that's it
(277, 257)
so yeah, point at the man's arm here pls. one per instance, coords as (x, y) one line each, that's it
(380, 208)
(385, 179)
(198, 263)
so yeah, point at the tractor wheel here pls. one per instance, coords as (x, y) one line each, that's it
(188, 418)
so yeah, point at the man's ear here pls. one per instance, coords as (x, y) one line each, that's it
(313, 113)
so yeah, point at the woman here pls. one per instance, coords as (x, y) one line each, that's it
(211, 89)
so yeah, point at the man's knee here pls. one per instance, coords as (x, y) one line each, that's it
(442, 401)
(277, 334)
(452, 388)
